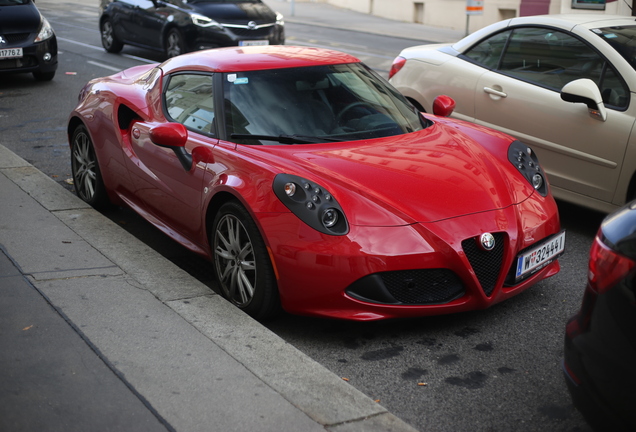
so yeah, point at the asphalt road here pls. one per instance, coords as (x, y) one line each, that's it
(492, 370)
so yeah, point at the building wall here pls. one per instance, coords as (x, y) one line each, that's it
(452, 13)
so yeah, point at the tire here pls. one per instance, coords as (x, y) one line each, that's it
(241, 262)
(43, 76)
(87, 177)
(109, 41)
(174, 44)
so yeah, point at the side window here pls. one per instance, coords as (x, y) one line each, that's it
(613, 89)
(488, 52)
(188, 99)
(141, 4)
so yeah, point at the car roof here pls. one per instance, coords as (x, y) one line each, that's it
(237, 59)
(571, 20)
(563, 21)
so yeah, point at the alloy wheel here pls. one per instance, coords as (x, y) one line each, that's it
(84, 167)
(174, 44)
(235, 260)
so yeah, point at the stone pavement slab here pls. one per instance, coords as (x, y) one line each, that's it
(178, 355)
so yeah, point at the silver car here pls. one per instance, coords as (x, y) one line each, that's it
(564, 84)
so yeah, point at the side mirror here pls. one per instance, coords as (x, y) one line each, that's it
(173, 136)
(443, 106)
(585, 91)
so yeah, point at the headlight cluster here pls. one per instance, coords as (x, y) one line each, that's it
(311, 203)
(525, 160)
(203, 21)
(46, 31)
(280, 19)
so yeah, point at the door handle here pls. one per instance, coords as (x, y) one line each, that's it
(494, 92)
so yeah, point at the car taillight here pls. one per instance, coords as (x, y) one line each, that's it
(606, 267)
(398, 64)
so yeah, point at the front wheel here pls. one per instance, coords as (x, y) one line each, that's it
(174, 44)
(109, 41)
(242, 264)
(87, 178)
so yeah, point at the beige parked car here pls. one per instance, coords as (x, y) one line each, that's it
(564, 84)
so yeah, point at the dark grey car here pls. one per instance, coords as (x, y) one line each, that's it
(178, 26)
(27, 40)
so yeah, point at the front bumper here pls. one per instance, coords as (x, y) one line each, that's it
(39, 57)
(215, 37)
(427, 264)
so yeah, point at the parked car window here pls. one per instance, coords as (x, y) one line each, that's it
(622, 40)
(188, 100)
(551, 59)
(488, 52)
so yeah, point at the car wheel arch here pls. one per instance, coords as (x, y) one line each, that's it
(267, 297)
(218, 200)
(631, 189)
(417, 105)
(74, 123)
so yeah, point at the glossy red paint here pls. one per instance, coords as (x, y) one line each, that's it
(239, 59)
(443, 106)
(169, 135)
(338, 262)
(410, 199)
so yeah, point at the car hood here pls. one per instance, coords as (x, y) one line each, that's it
(19, 19)
(427, 176)
(236, 12)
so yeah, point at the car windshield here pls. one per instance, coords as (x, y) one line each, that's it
(622, 39)
(13, 2)
(314, 104)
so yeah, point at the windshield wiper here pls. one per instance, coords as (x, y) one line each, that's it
(285, 139)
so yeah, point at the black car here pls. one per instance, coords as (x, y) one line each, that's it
(179, 26)
(600, 340)
(27, 40)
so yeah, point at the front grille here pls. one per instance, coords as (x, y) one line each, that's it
(428, 286)
(252, 34)
(485, 264)
(15, 38)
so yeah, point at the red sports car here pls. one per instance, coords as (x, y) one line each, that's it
(311, 184)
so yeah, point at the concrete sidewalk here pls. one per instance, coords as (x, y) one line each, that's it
(100, 332)
(325, 15)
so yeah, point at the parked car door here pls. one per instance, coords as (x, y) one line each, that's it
(144, 23)
(522, 97)
(171, 193)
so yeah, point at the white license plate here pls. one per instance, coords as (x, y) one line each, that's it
(253, 42)
(6, 53)
(540, 256)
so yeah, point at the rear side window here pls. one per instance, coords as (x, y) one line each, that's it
(550, 59)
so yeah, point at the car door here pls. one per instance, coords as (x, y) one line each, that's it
(145, 22)
(171, 194)
(521, 96)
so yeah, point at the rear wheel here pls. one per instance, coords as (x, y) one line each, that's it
(174, 44)
(87, 178)
(242, 264)
(109, 40)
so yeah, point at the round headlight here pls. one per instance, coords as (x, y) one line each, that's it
(537, 181)
(330, 218)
